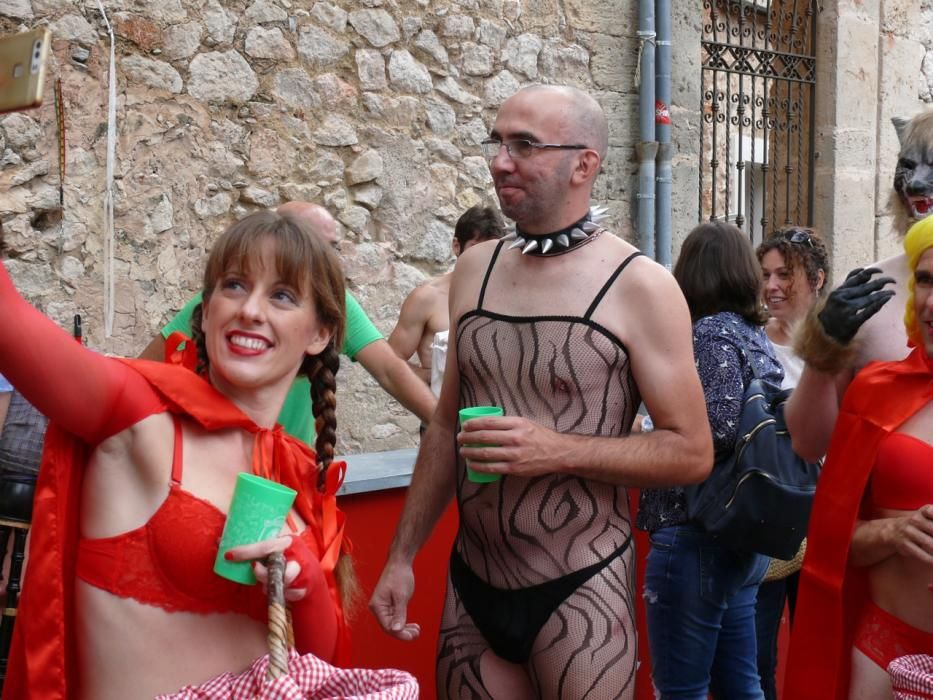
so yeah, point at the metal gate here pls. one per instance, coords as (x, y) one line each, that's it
(758, 87)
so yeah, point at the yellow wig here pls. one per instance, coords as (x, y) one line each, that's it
(918, 239)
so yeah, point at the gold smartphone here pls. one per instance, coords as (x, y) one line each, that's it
(22, 69)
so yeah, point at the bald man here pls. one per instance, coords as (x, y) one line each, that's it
(363, 343)
(567, 328)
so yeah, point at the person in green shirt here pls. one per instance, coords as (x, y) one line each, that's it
(363, 343)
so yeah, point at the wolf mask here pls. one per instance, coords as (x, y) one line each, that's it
(913, 176)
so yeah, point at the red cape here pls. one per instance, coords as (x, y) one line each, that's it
(42, 662)
(882, 397)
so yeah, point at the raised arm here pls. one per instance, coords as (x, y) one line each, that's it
(90, 395)
(825, 342)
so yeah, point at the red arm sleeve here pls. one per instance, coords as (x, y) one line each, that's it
(88, 394)
(314, 617)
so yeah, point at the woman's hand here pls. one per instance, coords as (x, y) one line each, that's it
(303, 571)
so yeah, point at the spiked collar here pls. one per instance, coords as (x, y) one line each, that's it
(559, 242)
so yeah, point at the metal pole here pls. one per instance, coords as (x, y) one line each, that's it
(663, 131)
(647, 147)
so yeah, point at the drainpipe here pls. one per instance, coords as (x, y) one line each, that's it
(647, 147)
(663, 132)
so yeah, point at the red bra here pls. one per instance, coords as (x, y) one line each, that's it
(902, 478)
(168, 562)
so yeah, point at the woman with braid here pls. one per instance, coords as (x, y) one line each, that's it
(120, 599)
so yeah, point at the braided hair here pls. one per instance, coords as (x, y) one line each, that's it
(309, 265)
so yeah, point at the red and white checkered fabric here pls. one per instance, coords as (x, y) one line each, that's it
(308, 678)
(912, 677)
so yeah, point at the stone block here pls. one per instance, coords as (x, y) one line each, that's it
(263, 11)
(318, 48)
(365, 168)
(269, 42)
(476, 59)
(371, 69)
(17, 9)
(335, 131)
(428, 42)
(74, 28)
(158, 75)
(407, 74)
(330, 16)
(222, 77)
(294, 87)
(181, 40)
(376, 26)
(521, 54)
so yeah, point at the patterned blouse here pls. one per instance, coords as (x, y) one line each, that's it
(725, 346)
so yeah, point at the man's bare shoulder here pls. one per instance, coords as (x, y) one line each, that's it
(468, 275)
(642, 275)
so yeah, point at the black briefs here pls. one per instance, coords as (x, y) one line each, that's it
(510, 619)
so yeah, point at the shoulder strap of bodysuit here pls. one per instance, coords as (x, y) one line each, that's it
(492, 261)
(612, 278)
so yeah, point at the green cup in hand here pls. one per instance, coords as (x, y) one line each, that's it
(479, 412)
(257, 512)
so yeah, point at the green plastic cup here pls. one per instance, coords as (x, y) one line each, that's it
(257, 512)
(480, 412)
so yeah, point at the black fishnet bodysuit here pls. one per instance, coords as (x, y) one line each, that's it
(542, 571)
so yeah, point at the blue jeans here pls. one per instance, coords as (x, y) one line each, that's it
(700, 600)
(768, 614)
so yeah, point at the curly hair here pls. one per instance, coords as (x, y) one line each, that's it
(800, 247)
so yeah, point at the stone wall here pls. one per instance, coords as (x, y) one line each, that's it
(374, 108)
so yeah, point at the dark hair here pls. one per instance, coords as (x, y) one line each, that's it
(717, 271)
(478, 224)
(802, 246)
(304, 261)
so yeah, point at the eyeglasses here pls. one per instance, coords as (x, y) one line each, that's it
(522, 148)
(799, 237)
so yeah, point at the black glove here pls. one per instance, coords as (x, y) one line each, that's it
(853, 302)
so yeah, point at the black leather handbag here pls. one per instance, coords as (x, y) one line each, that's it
(758, 496)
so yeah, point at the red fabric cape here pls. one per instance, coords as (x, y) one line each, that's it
(882, 397)
(42, 662)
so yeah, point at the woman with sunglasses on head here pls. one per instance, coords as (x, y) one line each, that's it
(699, 593)
(120, 599)
(866, 588)
(793, 263)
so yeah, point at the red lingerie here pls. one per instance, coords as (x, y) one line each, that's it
(883, 637)
(168, 562)
(902, 478)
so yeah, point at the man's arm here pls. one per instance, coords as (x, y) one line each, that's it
(155, 350)
(678, 450)
(397, 378)
(825, 342)
(432, 487)
(412, 319)
(812, 410)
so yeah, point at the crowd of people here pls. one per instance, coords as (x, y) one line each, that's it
(611, 373)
